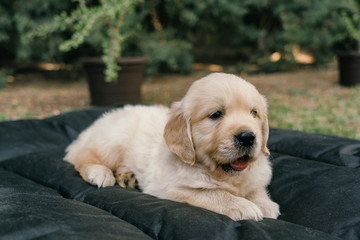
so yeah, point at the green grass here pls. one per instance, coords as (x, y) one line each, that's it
(27, 115)
(335, 112)
(4, 117)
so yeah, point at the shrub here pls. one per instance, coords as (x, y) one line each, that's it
(166, 55)
(249, 30)
(212, 30)
(351, 18)
(17, 18)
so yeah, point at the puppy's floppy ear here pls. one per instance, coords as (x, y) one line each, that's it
(177, 135)
(264, 128)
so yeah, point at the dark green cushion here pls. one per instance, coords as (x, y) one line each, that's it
(315, 181)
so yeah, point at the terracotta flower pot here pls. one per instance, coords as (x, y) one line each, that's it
(127, 88)
(349, 68)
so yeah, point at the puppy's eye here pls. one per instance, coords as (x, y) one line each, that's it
(254, 113)
(216, 115)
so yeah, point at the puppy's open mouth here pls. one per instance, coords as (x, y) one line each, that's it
(237, 165)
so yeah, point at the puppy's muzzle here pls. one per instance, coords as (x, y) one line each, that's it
(245, 139)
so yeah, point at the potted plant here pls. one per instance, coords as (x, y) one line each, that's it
(112, 79)
(349, 62)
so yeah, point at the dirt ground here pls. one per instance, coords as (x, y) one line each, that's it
(36, 96)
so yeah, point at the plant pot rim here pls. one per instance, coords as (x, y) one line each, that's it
(121, 61)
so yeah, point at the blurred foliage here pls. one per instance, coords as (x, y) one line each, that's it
(175, 32)
(17, 18)
(315, 26)
(352, 21)
(165, 53)
(251, 29)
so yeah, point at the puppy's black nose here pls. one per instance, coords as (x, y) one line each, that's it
(245, 139)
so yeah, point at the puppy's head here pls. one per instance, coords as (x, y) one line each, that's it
(221, 123)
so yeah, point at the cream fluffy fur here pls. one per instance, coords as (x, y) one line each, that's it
(179, 153)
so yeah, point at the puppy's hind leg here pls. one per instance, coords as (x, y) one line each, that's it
(92, 171)
(127, 180)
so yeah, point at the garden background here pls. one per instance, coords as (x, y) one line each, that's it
(286, 48)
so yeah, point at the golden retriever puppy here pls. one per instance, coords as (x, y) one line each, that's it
(209, 150)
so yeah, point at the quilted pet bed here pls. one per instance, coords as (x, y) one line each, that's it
(316, 182)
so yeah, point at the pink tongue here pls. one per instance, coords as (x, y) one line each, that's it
(240, 165)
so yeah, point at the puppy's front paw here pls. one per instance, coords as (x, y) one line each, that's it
(243, 209)
(269, 209)
(127, 180)
(100, 175)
